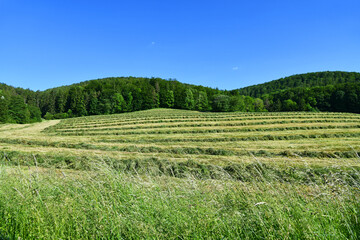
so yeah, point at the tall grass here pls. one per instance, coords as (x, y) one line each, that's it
(105, 203)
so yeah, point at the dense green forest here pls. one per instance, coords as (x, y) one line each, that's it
(117, 95)
(306, 80)
(321, 91)
(331, 98)
(18, 105)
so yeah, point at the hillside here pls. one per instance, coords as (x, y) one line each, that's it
(322, 91)
(319, 91)
(306, 80)
(179, 174)
(128, 94)
(119, 95)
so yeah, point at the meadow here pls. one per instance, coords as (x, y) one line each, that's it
(177, 174)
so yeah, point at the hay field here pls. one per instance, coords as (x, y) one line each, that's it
(175, 174)
(178, 135)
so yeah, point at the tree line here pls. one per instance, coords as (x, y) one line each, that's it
(323, 91)
(117, 95)
(307, 80)
(319, 91)
(18, 105)
(343, 97)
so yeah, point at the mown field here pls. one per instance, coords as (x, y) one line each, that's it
(176, 174)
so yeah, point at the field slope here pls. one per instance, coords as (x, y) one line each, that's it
(210, 138)
(173, 174)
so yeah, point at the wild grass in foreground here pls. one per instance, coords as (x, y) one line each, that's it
(104, 203)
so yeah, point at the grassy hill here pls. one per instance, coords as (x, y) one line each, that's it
(170, 174)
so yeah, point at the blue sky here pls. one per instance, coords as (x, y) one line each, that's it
(225, 44)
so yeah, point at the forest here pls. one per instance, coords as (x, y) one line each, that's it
(306, 80)
(318, 91)
(321, 91)
(116, 95)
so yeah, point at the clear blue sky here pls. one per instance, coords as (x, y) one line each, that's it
(225, 44)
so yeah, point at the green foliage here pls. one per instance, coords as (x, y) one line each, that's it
(249, 104)
(259, 105)
(118, 103)
(307, 80)
(189, 99)
(35, 113)
(18, 110)
(323, 91)
(70, 113)
(61, 115)
(4, 111)
(77, 101)
(221, 103)
(60, 102)
(93, 104)
(202, 103)
(237, 103)
(104, 106)
(335, 98)
(49, 116)
(289, 105)
(169, 99)
(129, 102)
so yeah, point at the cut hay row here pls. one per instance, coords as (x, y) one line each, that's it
(184, 134)
(187, 151)
(249, 126)
(179, 131)
(221, 149)
(84, 122)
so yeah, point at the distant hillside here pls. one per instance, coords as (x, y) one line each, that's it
(118, 95)
(127, 94)
(314, 79)
(322, 91)
(319, 91)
